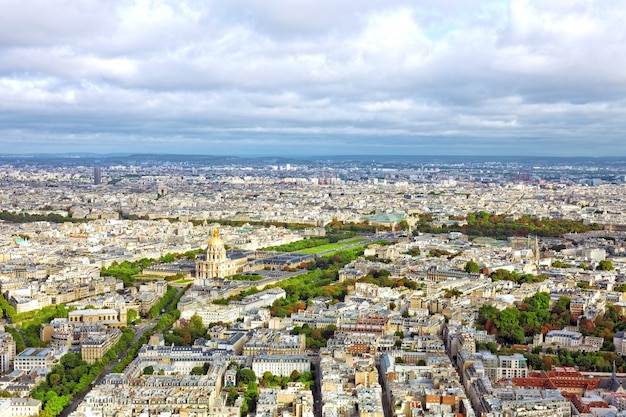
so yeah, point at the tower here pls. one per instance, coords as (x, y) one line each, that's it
(537, 253)
(97, 175)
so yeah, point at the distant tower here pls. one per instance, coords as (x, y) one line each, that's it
(97, 175)
(537, 252)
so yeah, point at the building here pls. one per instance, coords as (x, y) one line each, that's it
(280, 365)
(96, 345)
(275, 343)
(439, 275)
(25, 407)
(110, 317)
(97, 175)
(214, 313)
(512, 366)
(258, 300)
(19, 407)
(534, 403)
(577, 307)
(493, 366)
(572, 340)
(215, 263)
(564, 379)
(7, 352)
(32, 358)
(620, 345)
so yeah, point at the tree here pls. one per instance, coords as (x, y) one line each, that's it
(233, 394)
(561, 305)
(587, 327)
(452, 292)
(167, 258)
(197, 326)
(148, 370)
(54, 379)
(487, 312)
(605, 265)
(131, 316)
(71, 360)
(197, 370)
(472, 267)
(414, 251)
(246, 376)
(294, 375)
(507, 318)
(539, 301)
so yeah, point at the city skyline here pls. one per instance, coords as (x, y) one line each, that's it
(314, 78)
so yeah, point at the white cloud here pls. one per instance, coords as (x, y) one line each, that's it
(355, 71)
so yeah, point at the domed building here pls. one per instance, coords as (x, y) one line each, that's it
(215, 264)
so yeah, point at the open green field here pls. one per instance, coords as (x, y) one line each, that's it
(330, 246)
(182, 282)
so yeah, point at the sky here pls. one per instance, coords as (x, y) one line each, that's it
(314, 77)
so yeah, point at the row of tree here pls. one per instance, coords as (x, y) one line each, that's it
(382, 278)
(127, 270)
(299, 245)
(239, 223)
(167, 319)
(8, 216)
(73, 375)
(500, 226)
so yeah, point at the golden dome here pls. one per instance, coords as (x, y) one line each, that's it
(215, 241)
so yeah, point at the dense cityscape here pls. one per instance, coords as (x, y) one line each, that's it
(171, 285)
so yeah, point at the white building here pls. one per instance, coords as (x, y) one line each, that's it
(7, 352)
(214, 313)
(280, 365)
(32, 358)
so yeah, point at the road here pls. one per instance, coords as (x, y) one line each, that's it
(140, 330)
(314, 356)
(78, 398)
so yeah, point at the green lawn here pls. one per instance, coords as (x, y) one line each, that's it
(182, 282)
(330, 246)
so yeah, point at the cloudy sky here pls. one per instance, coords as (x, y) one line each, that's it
(292, 77)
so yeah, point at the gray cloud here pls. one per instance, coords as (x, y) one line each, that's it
(277, 76)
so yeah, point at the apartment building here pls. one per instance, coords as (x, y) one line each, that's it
(7, 352)
(281, 365)
(96, 345)
(32, 358)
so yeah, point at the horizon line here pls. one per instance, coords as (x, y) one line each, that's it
(306, 156)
